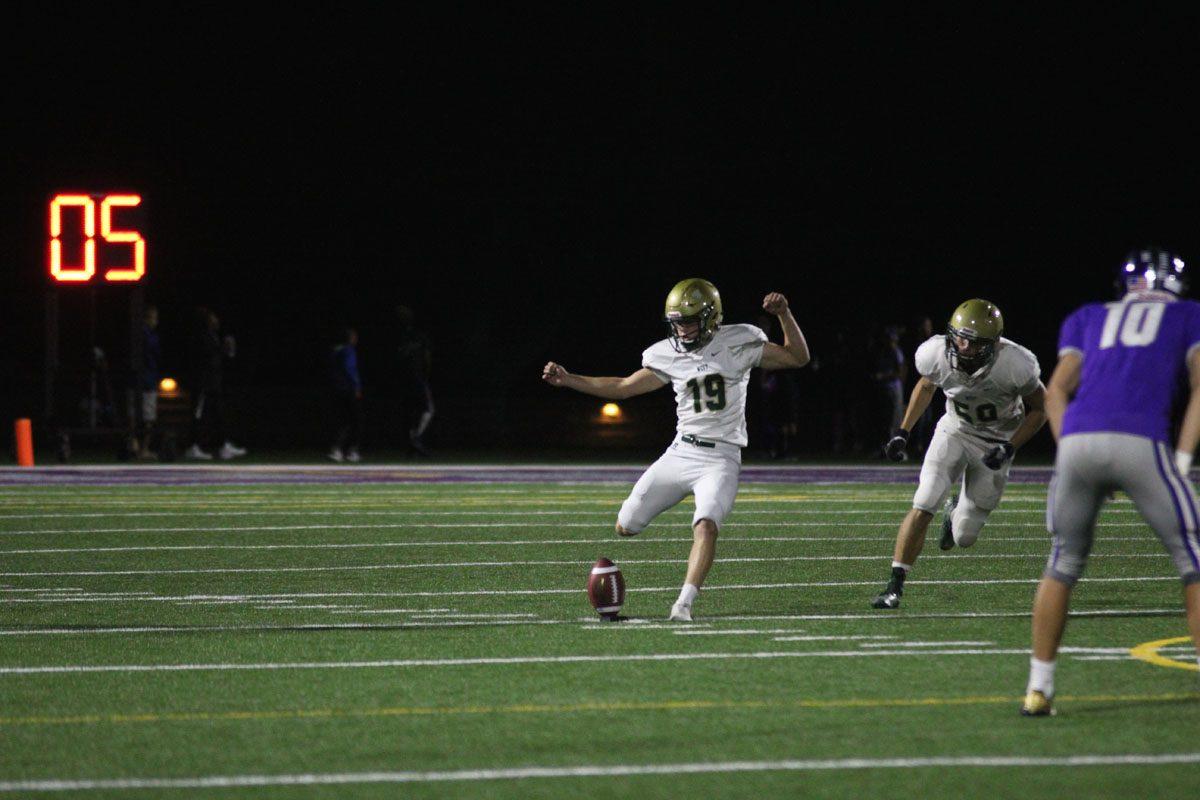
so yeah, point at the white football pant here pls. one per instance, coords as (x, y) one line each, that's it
(953, 457)
(711, 474)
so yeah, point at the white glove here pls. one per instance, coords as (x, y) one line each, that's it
(1183, 461)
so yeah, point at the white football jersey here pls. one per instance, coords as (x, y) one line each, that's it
(710, 383)
(986, 405)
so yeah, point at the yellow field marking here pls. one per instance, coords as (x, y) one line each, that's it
(665, 705)
(1148, 652)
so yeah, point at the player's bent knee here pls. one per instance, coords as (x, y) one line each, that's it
(964, 537)
(1064, 578)
(623, 531)
(705, 527)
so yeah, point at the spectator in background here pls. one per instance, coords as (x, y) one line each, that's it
(845, 391)
(888, 372)
(347, 398)
(149, 371)
(915, 336)
(415, 361)
(208, 353)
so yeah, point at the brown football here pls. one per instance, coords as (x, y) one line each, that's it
(606, 589)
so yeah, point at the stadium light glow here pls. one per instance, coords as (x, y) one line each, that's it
(611, 411)
(168, 386)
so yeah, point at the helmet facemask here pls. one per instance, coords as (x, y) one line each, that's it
(983, 350)
(687, 342)
(977, 324)
(692, 314)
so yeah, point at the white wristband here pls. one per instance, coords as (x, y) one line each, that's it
(1184, 462)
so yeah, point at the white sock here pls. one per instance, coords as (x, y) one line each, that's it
(906, 567)
(687, 594)
(1041, 676)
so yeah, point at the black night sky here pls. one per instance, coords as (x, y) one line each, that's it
(532, 180)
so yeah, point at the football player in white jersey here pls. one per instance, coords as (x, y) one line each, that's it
(994, 404)
(708, 364)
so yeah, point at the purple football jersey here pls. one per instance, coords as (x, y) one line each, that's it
(1134, 363)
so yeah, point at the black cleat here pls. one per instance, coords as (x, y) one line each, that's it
(888, 598)
(947, 542)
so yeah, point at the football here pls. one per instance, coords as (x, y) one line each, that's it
(606, 589)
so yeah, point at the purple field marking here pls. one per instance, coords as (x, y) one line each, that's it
(151, 475)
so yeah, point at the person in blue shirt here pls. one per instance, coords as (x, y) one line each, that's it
(1122, 369)
(347, 393)
(148, 376)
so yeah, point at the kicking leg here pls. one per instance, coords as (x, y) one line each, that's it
(658, 489)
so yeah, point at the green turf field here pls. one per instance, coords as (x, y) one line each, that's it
(435, 640)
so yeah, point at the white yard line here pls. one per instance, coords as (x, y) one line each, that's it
(812, 638)
(600, 771)
(887, 525)
(462, 615)
(576, 590)
(592, 624)
(497, 564)
(342, 510)
(166, 548)
(437, 663)
(930, 644)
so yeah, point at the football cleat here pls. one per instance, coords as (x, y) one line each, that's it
(680, 613)
(418, 444)
(196, 453)
(230, 450)
(888, 598)
(1036, 705)
(336, 455)
(947, 542)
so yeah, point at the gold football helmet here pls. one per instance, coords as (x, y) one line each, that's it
(977, 326)
(692, 313)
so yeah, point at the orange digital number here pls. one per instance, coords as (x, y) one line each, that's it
(137, 269)
(77, 274)
(85, 271)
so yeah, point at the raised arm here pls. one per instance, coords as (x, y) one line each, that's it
(794, 351)
(640, 382)
(1063, 384)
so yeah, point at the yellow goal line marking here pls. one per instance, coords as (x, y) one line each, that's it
(1148, 652)
(573, 708)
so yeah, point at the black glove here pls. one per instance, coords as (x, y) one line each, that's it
(996, 457)
(894, 449)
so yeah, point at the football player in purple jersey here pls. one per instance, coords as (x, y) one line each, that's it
(1122, 367)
